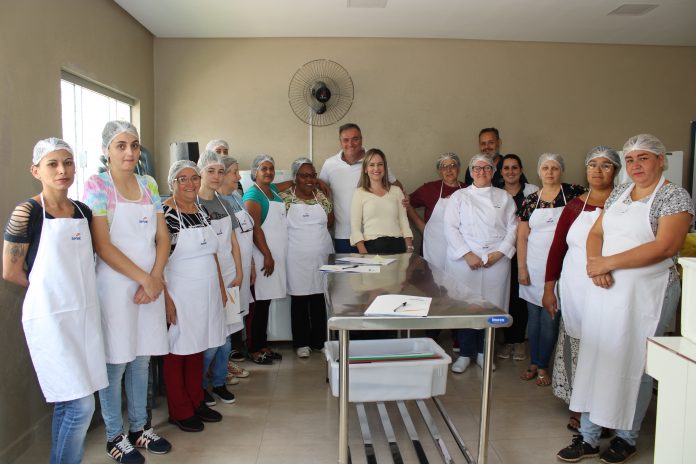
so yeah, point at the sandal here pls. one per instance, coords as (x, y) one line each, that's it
(272, 354)
(260, 358)
(573, 424)
(544, 380)
(529, 374)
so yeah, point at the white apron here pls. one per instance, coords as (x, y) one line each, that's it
(309, 247)
(574, 284)
(193, 285)
(245, 239)
(131, 329)
(542, 225)
(478, 219)
(60, 314)
(276, 231)
(434, 242)
(618, 321)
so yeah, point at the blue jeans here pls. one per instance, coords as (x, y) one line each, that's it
(590, 431)
(542, 332)
(216, 359)
(136, 375)
(71, 420)
(470, 342)
(342, 245)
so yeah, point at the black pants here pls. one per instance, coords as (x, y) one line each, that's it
(259, 325)
(308, 321)
(518, 309)
(386, 245)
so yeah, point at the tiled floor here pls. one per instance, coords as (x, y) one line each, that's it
(285, 414)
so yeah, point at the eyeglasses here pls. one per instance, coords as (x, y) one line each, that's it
(307, 175)
(447, 167)
(184, 179)
(606, 167)
(482, 168)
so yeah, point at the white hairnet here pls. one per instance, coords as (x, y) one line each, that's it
(113, 128)
(257, 162)
(604, 152)
(550, 157)
(228, 162)
(213, 144)
(297, 164)
(46, 146)
(177, 167)
(209, 158)
(645, 142)
(445, 157)
(480, 157)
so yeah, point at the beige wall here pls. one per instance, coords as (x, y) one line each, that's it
(418, 98)
(94, 38)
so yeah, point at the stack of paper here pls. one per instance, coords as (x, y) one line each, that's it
(349, 268)
(376, 260)
(399, 305)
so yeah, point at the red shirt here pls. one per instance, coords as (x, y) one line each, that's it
(428, 194)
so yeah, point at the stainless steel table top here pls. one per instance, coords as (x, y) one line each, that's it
(454, 306)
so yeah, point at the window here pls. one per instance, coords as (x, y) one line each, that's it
(86, 108)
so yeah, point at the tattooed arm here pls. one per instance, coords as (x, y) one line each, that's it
(13, 257)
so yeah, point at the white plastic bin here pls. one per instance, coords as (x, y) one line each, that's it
(391, 381)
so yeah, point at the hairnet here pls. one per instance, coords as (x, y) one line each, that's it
(645, 142)
(550, 157)
(480, 157)
(213, 144)
(177, 167)
(209, 158)
(297, 164)
(447, 156)
(604, 152)
(257, 162)
(46, 146)
(113, 128)
(228, 162)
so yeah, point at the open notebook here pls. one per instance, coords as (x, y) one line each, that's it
(399, 306)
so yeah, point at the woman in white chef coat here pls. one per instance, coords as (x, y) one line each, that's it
(309, 215)
(194, 298)
(132, 245)
(480, 228)
(224, 223)
(48, 250)
(538, 220)
(631, 252)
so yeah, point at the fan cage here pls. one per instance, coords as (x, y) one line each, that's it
(336, 79)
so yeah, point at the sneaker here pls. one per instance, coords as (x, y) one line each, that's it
(208, 399)
(148, 439)
(461, 364)
(303, 352)
(192, 424)
(577, 450)
(223, 394)
(260, 358)
(204, 413)
(234, 369)
(237, 356)
(519, 352)
(121, 450)
(231, 379)
(619, 451)
(479, 361)
(506, 351)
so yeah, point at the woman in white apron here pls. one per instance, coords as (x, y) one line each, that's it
(49, 234)
(538, 220)
(630, 258)
(309, 213)
(224, 223)
(194, 298)
(433, 197)
(132, 245)
(270, 250)
(566, 266)
(515, 184)
(480, 229)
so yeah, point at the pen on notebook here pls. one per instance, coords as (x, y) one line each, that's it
(399, 307)
(349, 267)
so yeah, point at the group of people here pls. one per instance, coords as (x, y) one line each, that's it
(584, 272)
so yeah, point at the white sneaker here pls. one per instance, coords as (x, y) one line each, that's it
(303, 352)
(519, 353)
(461, 364)
(505, 352)
(479, 361)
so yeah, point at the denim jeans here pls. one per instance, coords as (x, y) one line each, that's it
(71, 420)
(591, 432)
(215, 361)
(136, 375)
(542, 332)
(470, 342)
(342, 245)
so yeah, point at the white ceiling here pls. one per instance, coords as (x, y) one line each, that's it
(673, 22)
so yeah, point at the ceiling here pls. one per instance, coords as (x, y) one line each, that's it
(672, 22)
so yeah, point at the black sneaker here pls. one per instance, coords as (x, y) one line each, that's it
(619, 451)
(208, 398)
(237, 356)
(192, 424)
(120, 450)
(577, 450)
(223, 394)
(148, 439)
(206, 414)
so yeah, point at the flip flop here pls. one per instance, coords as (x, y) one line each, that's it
(529, 374)
(543, 380)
